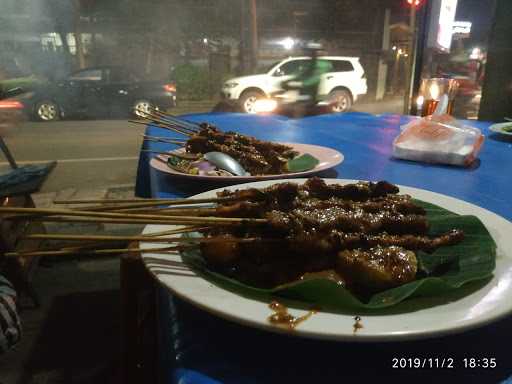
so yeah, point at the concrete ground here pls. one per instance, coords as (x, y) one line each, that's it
(90, 153)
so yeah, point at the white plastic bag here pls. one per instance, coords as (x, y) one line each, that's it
(438, 139)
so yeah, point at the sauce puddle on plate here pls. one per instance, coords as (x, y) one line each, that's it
(281, 317)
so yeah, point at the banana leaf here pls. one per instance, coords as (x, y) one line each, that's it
(302, 163)
(439, 273)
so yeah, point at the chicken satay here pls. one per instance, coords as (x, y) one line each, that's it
(262, 145)
(220, 253)
(335, 241)
(357, 192)
(379, 267)
(239, 146)
(278, 194)
(240, 209)
(348, 221)
(372, 206)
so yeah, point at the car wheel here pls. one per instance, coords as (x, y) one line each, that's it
(47, 110)
(142, 107)
(340, 100)
(248, 101)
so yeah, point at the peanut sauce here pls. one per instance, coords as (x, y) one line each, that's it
(357, 324)
(282, 318)
(328, 274)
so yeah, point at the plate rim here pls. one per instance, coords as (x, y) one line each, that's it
(496, 128)
(244, 179)
(346, 336)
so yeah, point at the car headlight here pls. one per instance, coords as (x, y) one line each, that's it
(230, 85)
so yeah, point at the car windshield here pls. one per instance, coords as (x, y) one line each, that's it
(269, 67)
(87, 75)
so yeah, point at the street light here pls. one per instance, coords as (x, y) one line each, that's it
(288, 43)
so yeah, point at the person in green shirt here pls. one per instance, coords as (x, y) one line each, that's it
(307, 80)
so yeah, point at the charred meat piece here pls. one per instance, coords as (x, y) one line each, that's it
(263, 146)
(251, 194)
(256, 156)
(220, 253)
(403, 206)
(315, 194)
(348, 221)
(276, 195)
(239, 209)
(358, 192)
(379, 267)
(207, 127)
(335, 241)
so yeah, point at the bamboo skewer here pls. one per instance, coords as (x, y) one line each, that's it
(145, 205)
(145, 123)
(168, 124)
(66, 252)
(157, 124)
(171, 120)
(97, 220)
(196, 126)
(184, 156)
(186, 127)
(130, 208)
(155, 201)
(154, 239)
(51, 236)
(176, 231)
(170, 219)
(160, 125)
(173, 211)
(180, 143)
(164, 140)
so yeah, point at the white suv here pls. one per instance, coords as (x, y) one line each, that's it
(341, 87)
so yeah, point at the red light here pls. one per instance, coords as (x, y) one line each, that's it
(414, 2)
(11, 104)
(170, 87)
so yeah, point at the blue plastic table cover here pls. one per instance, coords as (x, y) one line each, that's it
(196, 347)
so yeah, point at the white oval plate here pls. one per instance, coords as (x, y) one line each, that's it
(498, 128)
(328, 158)
(444, 316)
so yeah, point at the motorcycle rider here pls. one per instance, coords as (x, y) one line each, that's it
(307, 81)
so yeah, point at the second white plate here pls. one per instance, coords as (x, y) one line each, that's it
(328, 158)
(498, 128)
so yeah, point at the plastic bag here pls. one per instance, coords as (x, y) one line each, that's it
(438, 139)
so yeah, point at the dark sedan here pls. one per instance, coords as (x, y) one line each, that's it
(98, 92)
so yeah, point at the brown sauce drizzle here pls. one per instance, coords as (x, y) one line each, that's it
(357, 324)
(282, 318)
(328, 274)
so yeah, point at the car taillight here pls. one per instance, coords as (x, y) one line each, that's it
(170, 87)
(11, 104)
